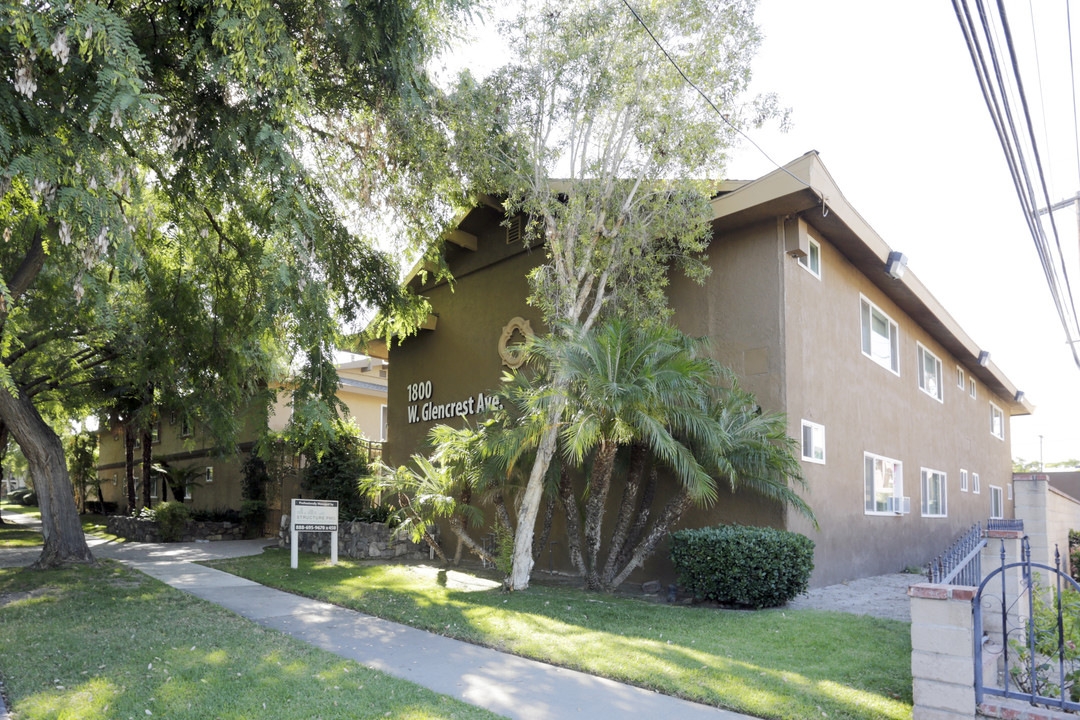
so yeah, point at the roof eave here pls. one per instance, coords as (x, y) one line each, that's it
(805, 188)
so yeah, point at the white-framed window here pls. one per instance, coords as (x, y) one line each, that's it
(997, 422)
(884, 480)
(208, 474)
(1009, 485)
(930, 375)
(971, 387)
(812, 259)
(813, 442)
(185, 426)
(975, 483)
(383, 422)
(960, 377)
(155, 433)
(880, 337)
(997, 502)
(153, 486)
(963, 480)
(934, 495)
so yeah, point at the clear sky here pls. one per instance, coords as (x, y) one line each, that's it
(887, 94)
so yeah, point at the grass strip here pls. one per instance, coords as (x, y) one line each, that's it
(109, 642)
(15, 536)
(794, 665)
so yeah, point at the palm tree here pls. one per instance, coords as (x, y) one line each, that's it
(653, 395)
(178, 478)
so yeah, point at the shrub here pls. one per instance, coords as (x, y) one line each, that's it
(334, 475)
(23, 496)
(219, 514)
(732, 564)
(253, 516)
(171, 518)
(377, 514)
(101, 508)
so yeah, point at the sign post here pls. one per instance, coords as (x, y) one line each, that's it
(313, 516)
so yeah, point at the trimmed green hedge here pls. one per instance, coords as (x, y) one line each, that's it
(737, 565)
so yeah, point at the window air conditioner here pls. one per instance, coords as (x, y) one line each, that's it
(899, 505)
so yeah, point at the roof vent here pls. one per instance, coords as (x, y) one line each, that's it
(515, 229)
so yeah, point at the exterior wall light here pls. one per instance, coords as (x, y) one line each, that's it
(896, 265)
(1019, 396)
(984, 358)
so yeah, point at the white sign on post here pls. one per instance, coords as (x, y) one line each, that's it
(313, 516)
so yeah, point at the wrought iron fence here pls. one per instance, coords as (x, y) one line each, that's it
(373, 449)
(960, 564)
(1004, 525)
(1028, 637)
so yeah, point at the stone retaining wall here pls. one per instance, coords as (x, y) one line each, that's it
(147, 530)
(359, 540)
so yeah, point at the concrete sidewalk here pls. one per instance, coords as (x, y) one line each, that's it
(505, 684)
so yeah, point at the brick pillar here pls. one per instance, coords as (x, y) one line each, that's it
(1031, 498)
(991, 561)
(942, 652)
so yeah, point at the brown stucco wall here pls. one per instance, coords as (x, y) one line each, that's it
(460, 358)
(794, 341)
(222, 492)
(866, 408)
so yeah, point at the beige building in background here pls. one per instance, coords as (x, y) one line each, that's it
(904, 418)
(180, 442)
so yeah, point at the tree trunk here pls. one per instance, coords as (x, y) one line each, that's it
(530, 500)
(458, 529)
(3, 456)
(545, 533)
(502, 515)
(63, 534)
(639, 457)
(599, 484)
(672, 512)
(129, 469)
(573, 523)
(641, 521)
(147, 466)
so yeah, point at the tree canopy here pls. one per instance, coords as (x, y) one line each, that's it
(183, 193)
(612, 157)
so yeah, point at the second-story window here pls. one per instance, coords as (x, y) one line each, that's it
(880, 337)
(997, 422)
(929, 373)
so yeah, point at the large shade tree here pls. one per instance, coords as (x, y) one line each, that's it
(601, 137)
(181, 187)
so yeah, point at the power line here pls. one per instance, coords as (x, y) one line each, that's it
(715, 108)
(992, 78)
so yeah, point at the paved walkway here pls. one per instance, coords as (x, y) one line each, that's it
(505, 684)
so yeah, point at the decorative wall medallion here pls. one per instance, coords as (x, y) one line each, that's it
(513, 357)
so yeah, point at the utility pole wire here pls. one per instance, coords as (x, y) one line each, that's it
(824, 208)
(996, 96)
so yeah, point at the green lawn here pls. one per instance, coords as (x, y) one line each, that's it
(775, 664)
(109, 642)
(14, 536)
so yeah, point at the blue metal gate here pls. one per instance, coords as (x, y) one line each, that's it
(1028, 637)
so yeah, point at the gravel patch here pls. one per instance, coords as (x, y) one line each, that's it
(883, 596)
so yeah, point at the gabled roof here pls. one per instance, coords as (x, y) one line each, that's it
(804, 188)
